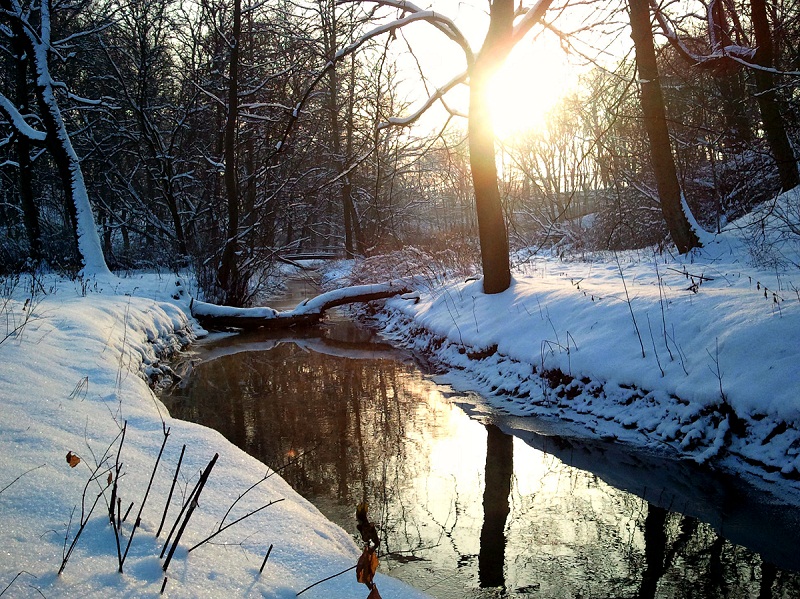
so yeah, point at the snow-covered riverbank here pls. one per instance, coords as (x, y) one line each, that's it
(697, 355)
(73, 373)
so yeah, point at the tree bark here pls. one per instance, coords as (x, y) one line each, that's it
(767, 97)
(229, 277)
(492, 231)
(655, 122)
(30, 211)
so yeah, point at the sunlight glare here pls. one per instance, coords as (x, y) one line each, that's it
(529, 85)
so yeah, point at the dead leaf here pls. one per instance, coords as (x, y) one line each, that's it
(369, 534)
(367, 566)
(374, 594)
(109, 479)
(361, 511)
(72, 459)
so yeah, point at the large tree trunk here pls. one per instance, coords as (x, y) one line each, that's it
(655, 122)
(30, 211)
(767, 97)
(229, 277)
(492, 231)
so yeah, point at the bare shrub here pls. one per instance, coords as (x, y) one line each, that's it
(430, 263)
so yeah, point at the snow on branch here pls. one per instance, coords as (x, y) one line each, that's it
(444, 24)
(18, 121)
(437, 95)
(306, 313)
(427, 16)
(719, 56)
(532, 16)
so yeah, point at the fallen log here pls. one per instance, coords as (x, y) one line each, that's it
(308, 312)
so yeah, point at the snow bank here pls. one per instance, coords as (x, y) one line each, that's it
(74, 372)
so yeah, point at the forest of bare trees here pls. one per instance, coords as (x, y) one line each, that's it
(221, 134)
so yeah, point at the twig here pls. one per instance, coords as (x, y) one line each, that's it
(138, 521)
(266, 557)
(326, 579)
(663, 315)
(267, 476)
(653, 339)
(190, 511)
(171, 490)
(184, 507)
(20, 573)
(116, 503)
(716, 370)
(84, 518)
(630, 306)
(689, 275)
(19, 477)
(208, 538)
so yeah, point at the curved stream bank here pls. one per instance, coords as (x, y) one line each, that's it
(470, 506)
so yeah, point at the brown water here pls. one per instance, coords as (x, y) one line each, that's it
(470, 506)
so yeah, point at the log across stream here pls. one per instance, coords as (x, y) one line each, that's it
(308, 312)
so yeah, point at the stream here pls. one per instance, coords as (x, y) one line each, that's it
(473, 506)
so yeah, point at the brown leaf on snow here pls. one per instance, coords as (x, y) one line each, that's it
(72, 459)
(374, 594)
(367, 566)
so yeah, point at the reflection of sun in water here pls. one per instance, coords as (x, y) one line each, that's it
(532, 81)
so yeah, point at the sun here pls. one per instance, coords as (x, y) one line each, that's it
(532, 81)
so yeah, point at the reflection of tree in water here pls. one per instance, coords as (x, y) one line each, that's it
(570, 534)
(687, 558)
(351, 420)
(289, 402)
(364, 429)
(497, 488)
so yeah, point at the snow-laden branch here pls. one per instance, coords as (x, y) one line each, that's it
(18, 121)
(443, 23)
(739, 54)
(437, 95)
(532, 16)
(426, 16)
(430, 16)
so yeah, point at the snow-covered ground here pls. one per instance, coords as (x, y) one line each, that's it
(695, 355)
(73, 367)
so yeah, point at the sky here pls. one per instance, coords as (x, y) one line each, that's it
(540, 71)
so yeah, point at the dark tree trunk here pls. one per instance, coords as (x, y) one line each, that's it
(492, 231)
(229, 276)
(655, 122)
(767, 97)
(30, 211)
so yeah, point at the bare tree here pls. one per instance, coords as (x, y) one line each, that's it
(504, 32)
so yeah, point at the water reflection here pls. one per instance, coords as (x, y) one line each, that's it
(464, 508)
